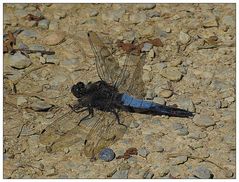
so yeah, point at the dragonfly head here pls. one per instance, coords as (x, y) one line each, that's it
(79, 89)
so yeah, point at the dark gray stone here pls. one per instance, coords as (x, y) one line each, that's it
(146, 6)
(18, 61)
(138, 17)
(121, 174)
(29, 33)
(153, 14)
(143, 152)
(202, 172)
(107, 155)
(147, 47)
(44, 24)
(40, 105)
(203, 120)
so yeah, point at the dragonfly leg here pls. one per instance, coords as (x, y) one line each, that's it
(76, 108)
(117, 117)
(91, 113)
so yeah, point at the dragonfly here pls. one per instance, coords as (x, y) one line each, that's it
(109, 104)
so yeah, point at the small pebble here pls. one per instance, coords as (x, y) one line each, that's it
(175, 171)
(143, 152)
(134, 124)
(18, 61)
(42, 60)
(182, 132)
(51, 59)
(168, 30)
(150, 95)
(27, 177)
(230, 100)
(51, 172)
(74, 164)
(44, 24)
(203, 120)
(229, 173)
(229, 139)
(30, 23)
(218, 104)
(156, 122)
(147, 67)
(229, 21)
(93, 13)
(113, 15)
(151, 54)
(138, 18)
(197, 135)
(70, 64)
(21, 13)
(210, 21)
(7, 19)
(164, 34)
(36, 47)
(89, 21)
(158, 147)
(148, 175)
(177, 126)
(147, 76)
(168, 48)
(63, 176)
(164, 172)
(33, 10)
(202, 173)
(175, 63)
(22, 46)
(40, 105)
(59, 14)
(21, 101)
(29, 33)
(224, 104)
(54, 38)
(130, 36)
(196, 145)
(179, 160)
(147, 31)
(153, 14)
(172, 73)
(186, 103)
(159, 100)
(121, 174)
(54, 25)
(166, 93)
(184, 38)
(107, 155)
(66, 150)
(147, 47)
(21, 6)
(57, 80)
(146, 6)
(132, 160)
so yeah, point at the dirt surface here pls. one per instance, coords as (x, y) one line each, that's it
(193, 67)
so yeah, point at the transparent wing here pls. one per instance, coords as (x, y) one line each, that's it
(108, 69)
(127, 79)
(130, 80)
(65, 131)
(105, 132)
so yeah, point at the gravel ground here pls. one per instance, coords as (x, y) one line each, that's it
(194, 69)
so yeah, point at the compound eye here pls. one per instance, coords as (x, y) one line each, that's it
(78, 89)
(80, 85)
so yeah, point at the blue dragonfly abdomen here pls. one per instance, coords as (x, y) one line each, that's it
(153, 107)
